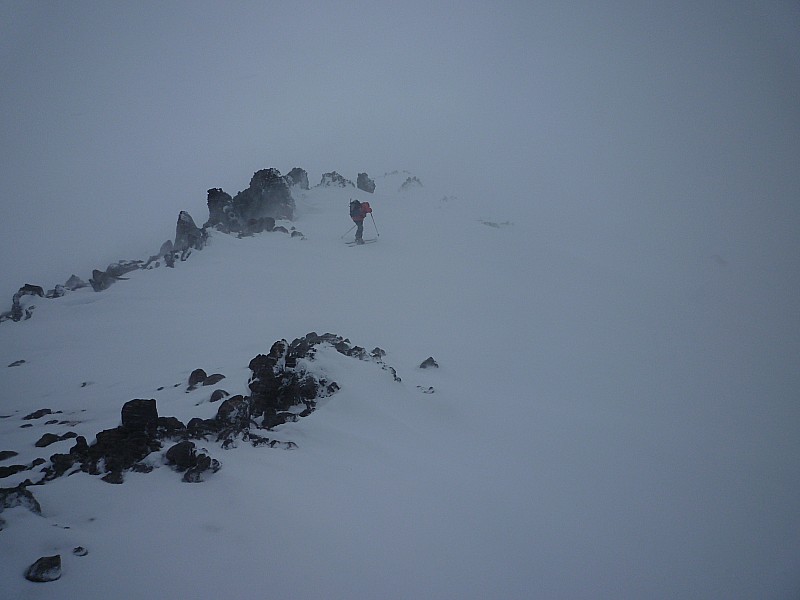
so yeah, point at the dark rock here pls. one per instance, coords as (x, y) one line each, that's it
(268, 196)
(280, 229)
(47, 568)
(118, 449)
(234, 412)
(101, 280)
(218, 395)
(17, 363)
(297, 177)
(410, 184)
(46, 440)
(181, 455)
(187, 234)
(58, 292)
(33, 290)
(221, 214)
(197, 377)
(38, 414)
(170, 427)
(203, 464)
(199, 428)
(19, 496)
(75, 283)
(363, 182)
(139, 415)
(259, 225)
(333, 179)
(60, 464)
(115, 477)
(166, 248)
(429, 363)
(80, 551)
(6, 454)
(296, 234)
(19, 312)
(11, 470)
(213, 379)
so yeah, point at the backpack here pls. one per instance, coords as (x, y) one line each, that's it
(355, 208)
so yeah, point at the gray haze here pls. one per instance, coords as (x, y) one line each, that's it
(663, 136)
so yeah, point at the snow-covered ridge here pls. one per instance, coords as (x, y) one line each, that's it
(266, 205)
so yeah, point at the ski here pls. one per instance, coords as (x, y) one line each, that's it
(367, 241)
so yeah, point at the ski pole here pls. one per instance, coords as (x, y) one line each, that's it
(346, 232)
(373, 222)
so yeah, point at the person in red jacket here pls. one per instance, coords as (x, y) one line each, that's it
(358, 211)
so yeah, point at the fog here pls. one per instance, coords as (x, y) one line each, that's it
(663, 137)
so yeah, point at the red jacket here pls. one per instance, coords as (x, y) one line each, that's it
(365, 210)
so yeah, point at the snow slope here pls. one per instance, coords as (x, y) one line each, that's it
(594, 432)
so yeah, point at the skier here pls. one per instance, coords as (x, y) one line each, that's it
(358, 211)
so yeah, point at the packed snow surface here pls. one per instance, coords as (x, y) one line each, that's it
(594, 431)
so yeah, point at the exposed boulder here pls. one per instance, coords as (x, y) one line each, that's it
(365, 183)
(429, 363)
(333, 179)
(196, 377)
(140, 415)
(47, 568)
(297, 177)
(218, 395)
(19, 496)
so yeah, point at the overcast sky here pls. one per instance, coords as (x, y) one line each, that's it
(658, 127)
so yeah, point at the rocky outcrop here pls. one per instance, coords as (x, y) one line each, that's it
(187, 234)
(410, 184)
(255, 209)
(429, 363)
(102, 280)
(47, 568)
(19, 496)
(282, 389)
(363, 182)
(297, 177)
(333, 179)
(19, 310)
(75, 283)
(267, 196)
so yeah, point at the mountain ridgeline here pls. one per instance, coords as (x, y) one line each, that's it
(254, 210)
